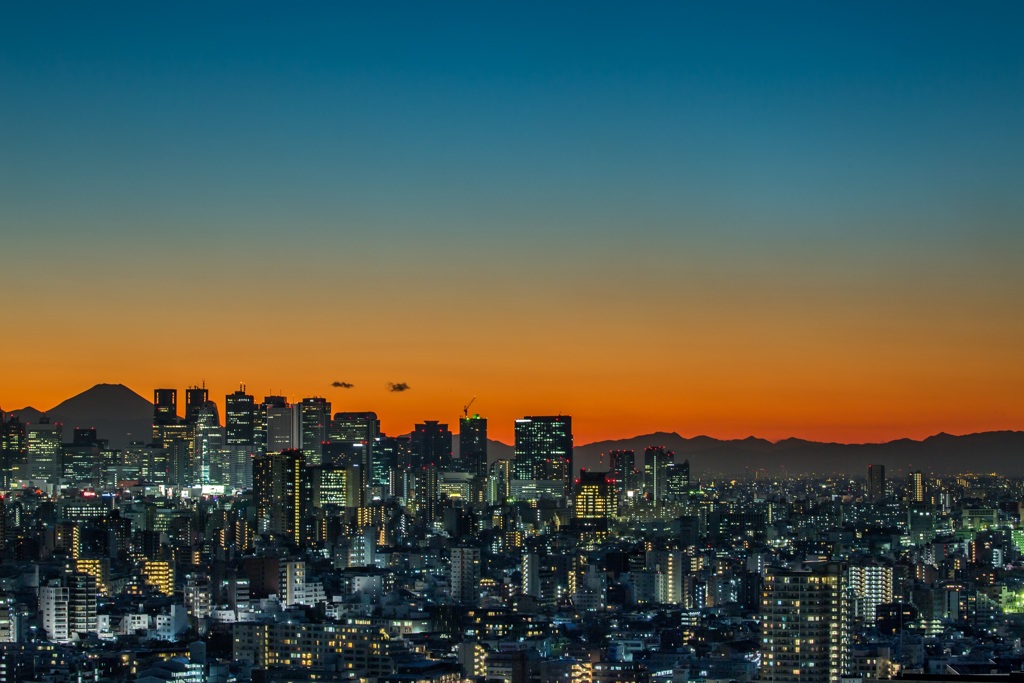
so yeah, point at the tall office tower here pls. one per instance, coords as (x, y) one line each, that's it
(427, 494)
(473, 445)
(81, 459)
(240, 437)
(623, 464)
(352, 440)
(499, 482)
(383, 461)
(876, 483)
(805, 625)
(195, 399)
(277, 483)
(315, 418)
(677, 481)
(44, 450)
(917, 491)
(465, 576)
(280, 423)
(13, 450)
(656, 462)
(432, 445)
(240, 418)
(262, 416)
(165, 411)
(208, 444)
(354, 427)
(596, 497)
(543, 449)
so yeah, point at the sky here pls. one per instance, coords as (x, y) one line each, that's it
(772, 219)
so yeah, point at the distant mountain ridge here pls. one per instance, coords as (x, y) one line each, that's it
(122, 415)
(942, 453)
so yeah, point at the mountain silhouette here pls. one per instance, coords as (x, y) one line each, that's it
(116, 412)
(939, 454)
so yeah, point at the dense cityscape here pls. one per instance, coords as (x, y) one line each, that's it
(287, 542)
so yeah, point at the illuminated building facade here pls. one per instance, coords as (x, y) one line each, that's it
(805, 625)
(543, 449)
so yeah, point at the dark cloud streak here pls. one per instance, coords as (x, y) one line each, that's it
(342, 385)
(398, 387)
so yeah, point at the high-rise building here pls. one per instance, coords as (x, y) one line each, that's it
(543, 448)
(280, 425)
(68, 607)
(465, 576)
(623, 464)
(208, 443)
(596, 497)
(81, 461)
(277, 491)
(44, 450)
(13, 450)
(677, 481)
(315, 418)
(354, 440)
(239, 438)
(473, 445)
(871, 585)
(917, 491)
(240, 418)
(432, 445)
(805, 625)
(656, 462)
(195, 399)
(165, 410)
(876, 484)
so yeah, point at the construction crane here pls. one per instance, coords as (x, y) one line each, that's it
(465, 408)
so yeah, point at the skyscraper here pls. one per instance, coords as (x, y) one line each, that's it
(240, 418)
(13, 449)
(677, 481)
(165, 412)
(543, 448)
(315, 417)
(280, 424)
(45, 447)
(623, 464)
(876, 483)
(208, 442)
(354, 441)
(277, 492)
(805, 625)
(473, 445)
(656, 462)
(432, 445)
(239, 437)
(195, 399)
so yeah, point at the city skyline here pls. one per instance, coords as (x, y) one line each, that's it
(502, 429)
(780, 221)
